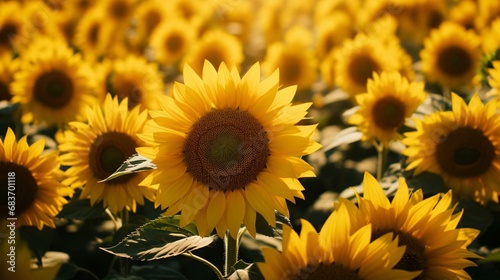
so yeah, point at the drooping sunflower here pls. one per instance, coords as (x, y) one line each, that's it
(96, 148)
(358, 58)
(461, 146)
(226, 148)
(141, 82)
(216, 46)
(340, 251)
(53, 84)
(390, 100)
(33, 179)
(296, 60)
(171, 40)
(12, 21)
(451, 56)
(427, 227)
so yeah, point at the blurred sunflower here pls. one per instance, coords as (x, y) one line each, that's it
(427, 227)
(494, 81)
(39, 194)
(464, 13)
(77, 8)
(332, 31)
(118, 12)
(339, 251)
(216, 46)
(226, 148)
(96, 148)
(461, 146)
(141, 82)
(148, 15)
(93, 35)
(12, 31)
(451, 56)
(171, 40)
(53, 84)
(8, 67)
(490, 37)
(40, 19)
(358, 58)
(295, 59)
(488, 11)
(390, 100)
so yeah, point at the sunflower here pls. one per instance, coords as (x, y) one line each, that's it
(149, 15)
(93, 35)
(451, 56)
(53, 84)
(216, 46)
(8, 67)
(462, 146)
(226, 148)
(427, 227)
(296, 60)
(494, 72)
(488, 11)
(40, 19)
(171, 40)
(12, 31)
(96, 148)
(339, 251)
(118, 12)
(390, 100)
(464, 13)
(33, 179)
(332, 31)
(358, 58)
(490, 37)
(141, 82)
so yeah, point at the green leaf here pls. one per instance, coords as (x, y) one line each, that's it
(346, 136)
(161, 238)
(80, 209)
(493, 257)
(134, 164)
(264, 228)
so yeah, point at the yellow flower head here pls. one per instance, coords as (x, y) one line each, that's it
(12, 21)
(462, 146)
(342, 250)
(171, 40)
(384, 108)
(227, 147)
(134, 78)
(96, 148)
(33, 181)
(451, 56)
(494, 81)
(93, 35)
(427, 227)
(53, 84)
(216, 46)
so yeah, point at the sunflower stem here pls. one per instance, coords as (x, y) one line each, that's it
(231, 246)
(124, 262)
(207, 263)
(382, 152)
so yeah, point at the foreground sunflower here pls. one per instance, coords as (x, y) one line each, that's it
(427, 227)
(451, 56)
(390, 100)
(462, 146)
(226, 148)
(340, 251)
(33, 179)
(94, 150)
(53, 84)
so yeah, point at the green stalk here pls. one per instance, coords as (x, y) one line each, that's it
(207, 263)
(231, 246)
(382, 152)
(124, 262)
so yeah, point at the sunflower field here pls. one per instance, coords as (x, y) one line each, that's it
(249, 139)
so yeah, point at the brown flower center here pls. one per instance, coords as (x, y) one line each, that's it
(22, 184)
(465, 153)
(290, 70)
(7, 33)
(326, 272)
(108, 152)
(361, 68)
(4, 92)
(414, 258)
(174, 43)
(388, 113)
(53, 89)
(119, 9)
(226, 149)
(454, 61)
(127, 88)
